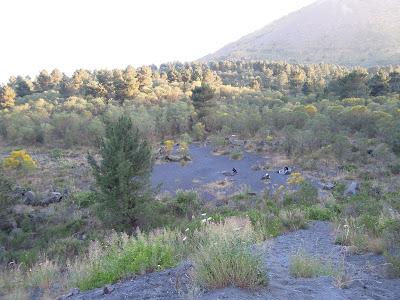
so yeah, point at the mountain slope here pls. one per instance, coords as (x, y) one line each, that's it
(349, 32)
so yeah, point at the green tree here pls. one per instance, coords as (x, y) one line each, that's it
(43, 81)
(23, 86)
(394, 82)
(379, 84)
(7, 97)
(122, 175)
(354, 84)
(203, 99)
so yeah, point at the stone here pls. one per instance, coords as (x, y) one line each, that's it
(7, 223)
(29, 198)
(108, 289)
(328, 186)
(54, 197)
(228, 173)
(71, 293)
(352, 189)
(173, 158)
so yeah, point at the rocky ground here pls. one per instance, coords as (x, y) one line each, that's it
(365, 275)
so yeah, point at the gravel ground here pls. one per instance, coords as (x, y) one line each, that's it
(366, 274)
(206, 168)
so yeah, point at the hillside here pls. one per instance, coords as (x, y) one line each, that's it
(348, 32)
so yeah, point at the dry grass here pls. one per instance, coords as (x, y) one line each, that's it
(15, 281)
(349, 233)
(303, 265)
(293, 219)
(223, 257)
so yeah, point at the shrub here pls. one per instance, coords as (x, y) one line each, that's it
(185, 203)
(302, 265)
(19, 159)
(169, 145)
(391, 236)
(293, 219)
(228, 263)
(223, 257)
(183, 149)
(265, 225)
(295, 179)
(122, 255)
(41, 274)
(83, 198)
(395, 168)
(353, 233)
(306, 195)
(320, 213)
(311, 109)
(56, 154)
(237, 155)
(198, 131)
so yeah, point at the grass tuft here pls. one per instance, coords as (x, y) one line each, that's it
(304, 266)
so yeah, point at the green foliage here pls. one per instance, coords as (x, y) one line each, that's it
(229, 263)
(320, 213)
(198, 131)
(293, 219)
(5, 190)
(236, 155)
(133, 256)
(185, 203)
(122, 176)
(266, 225)
(303, 265)
(391, 237)
(56, 154)
(223, 257)
(307, 194)
(202, 98)
(83, 199)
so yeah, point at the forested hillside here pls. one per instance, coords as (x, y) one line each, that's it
(55, 107)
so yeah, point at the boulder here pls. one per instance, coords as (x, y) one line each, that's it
(352, 189)
(173, 158)
(29, 198)
(72, 292)
(328, 186)
(53, 197)
(228, 173)
(233, 140)
(108, 289)
(7, 223)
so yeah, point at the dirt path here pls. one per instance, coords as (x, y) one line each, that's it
(366, 273)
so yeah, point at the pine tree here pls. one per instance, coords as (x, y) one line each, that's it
(122, 176)
(202, 98)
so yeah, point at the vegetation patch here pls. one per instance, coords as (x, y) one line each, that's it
(302, 265)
